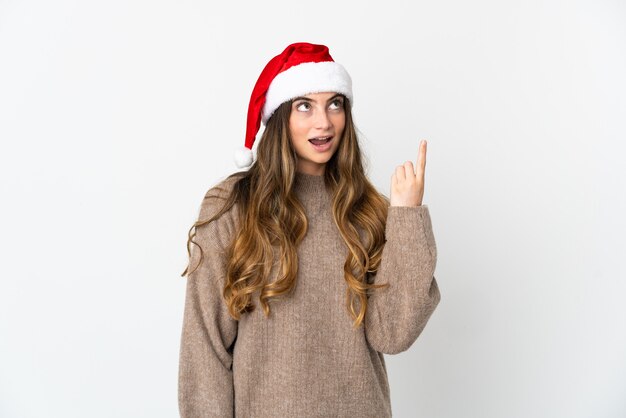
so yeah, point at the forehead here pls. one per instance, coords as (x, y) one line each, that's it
(321, 97)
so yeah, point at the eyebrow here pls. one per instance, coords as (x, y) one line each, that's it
(311, 100)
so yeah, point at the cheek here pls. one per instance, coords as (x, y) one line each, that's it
(340, 124)
(298, 130)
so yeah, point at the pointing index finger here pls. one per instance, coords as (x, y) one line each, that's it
(421, 158)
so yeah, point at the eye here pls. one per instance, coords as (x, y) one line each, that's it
(336, 104)
(303, 106)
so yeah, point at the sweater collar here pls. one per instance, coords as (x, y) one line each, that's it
(309, 183)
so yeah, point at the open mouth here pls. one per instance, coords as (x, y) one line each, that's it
(320, 140)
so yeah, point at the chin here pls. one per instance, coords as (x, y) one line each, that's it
(320, 160)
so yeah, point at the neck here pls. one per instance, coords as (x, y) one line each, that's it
(309, 167)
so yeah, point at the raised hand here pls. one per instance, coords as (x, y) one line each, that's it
(407, 186)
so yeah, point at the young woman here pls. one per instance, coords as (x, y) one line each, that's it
(303, 275)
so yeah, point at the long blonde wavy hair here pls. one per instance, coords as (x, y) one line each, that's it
(273, 219)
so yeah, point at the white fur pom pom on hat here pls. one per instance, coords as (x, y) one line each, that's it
(243, 157)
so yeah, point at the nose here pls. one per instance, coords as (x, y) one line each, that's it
(322, 121)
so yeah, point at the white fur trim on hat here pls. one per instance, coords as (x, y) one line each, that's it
(306, 78)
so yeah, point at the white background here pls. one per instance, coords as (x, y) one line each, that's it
(117, 116)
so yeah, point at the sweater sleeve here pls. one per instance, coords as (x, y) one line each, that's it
(205, 385)
(397, 314)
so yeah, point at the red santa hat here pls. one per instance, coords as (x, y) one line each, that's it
(302, 68)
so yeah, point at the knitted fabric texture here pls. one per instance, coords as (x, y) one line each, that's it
(305, 360)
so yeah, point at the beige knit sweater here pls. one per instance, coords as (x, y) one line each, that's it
(305, 360)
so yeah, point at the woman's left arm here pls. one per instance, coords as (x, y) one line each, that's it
(396, 315)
